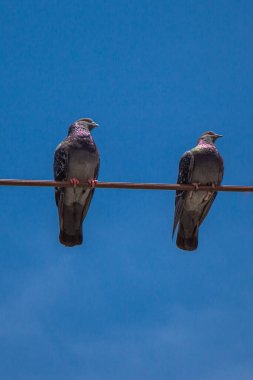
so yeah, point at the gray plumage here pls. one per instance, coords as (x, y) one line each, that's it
(200, 165)
(76, 157)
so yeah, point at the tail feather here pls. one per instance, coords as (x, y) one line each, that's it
(187, 243)
(71, 224)
(70, 240)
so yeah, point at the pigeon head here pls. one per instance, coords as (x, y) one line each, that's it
(87, 123)
(82, 126)
(209, 137)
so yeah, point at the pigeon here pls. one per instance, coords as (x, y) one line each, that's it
(202, 165)
(76, 159)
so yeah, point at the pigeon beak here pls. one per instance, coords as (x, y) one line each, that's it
(92, 125)
(218, 136)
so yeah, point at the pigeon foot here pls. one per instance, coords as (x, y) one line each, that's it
(74, 182)
(92, 183)
(196, 187)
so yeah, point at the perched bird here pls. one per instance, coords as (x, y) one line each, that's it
(201, 165)
(76, 159)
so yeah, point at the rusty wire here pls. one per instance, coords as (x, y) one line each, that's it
(124, 185)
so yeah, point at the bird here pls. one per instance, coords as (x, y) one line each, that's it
(76, 159)
(201, 165)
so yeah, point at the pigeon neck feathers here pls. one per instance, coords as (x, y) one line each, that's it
(204, 142)
(78, 131)
(203, 145)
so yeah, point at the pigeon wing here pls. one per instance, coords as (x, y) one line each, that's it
(184, 177)
(210, 202)
(60, 167)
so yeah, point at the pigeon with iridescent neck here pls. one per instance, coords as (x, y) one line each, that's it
(76, 159)
(202, 165)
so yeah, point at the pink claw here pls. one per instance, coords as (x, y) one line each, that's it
(74, 182)
(92, 183)
(196, 186)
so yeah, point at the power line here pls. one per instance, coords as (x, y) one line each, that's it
(123, 185)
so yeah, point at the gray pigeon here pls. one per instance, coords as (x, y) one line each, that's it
(201, 165)
(76, 159)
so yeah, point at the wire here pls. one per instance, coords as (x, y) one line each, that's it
(124, 185)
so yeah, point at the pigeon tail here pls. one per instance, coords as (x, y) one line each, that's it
(187, 243)
(70, 240)
(71, 225)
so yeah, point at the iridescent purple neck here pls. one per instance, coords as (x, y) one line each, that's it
(206, 144)
(77, 130)
(203, 141)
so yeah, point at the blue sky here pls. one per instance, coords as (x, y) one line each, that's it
(127, 304)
